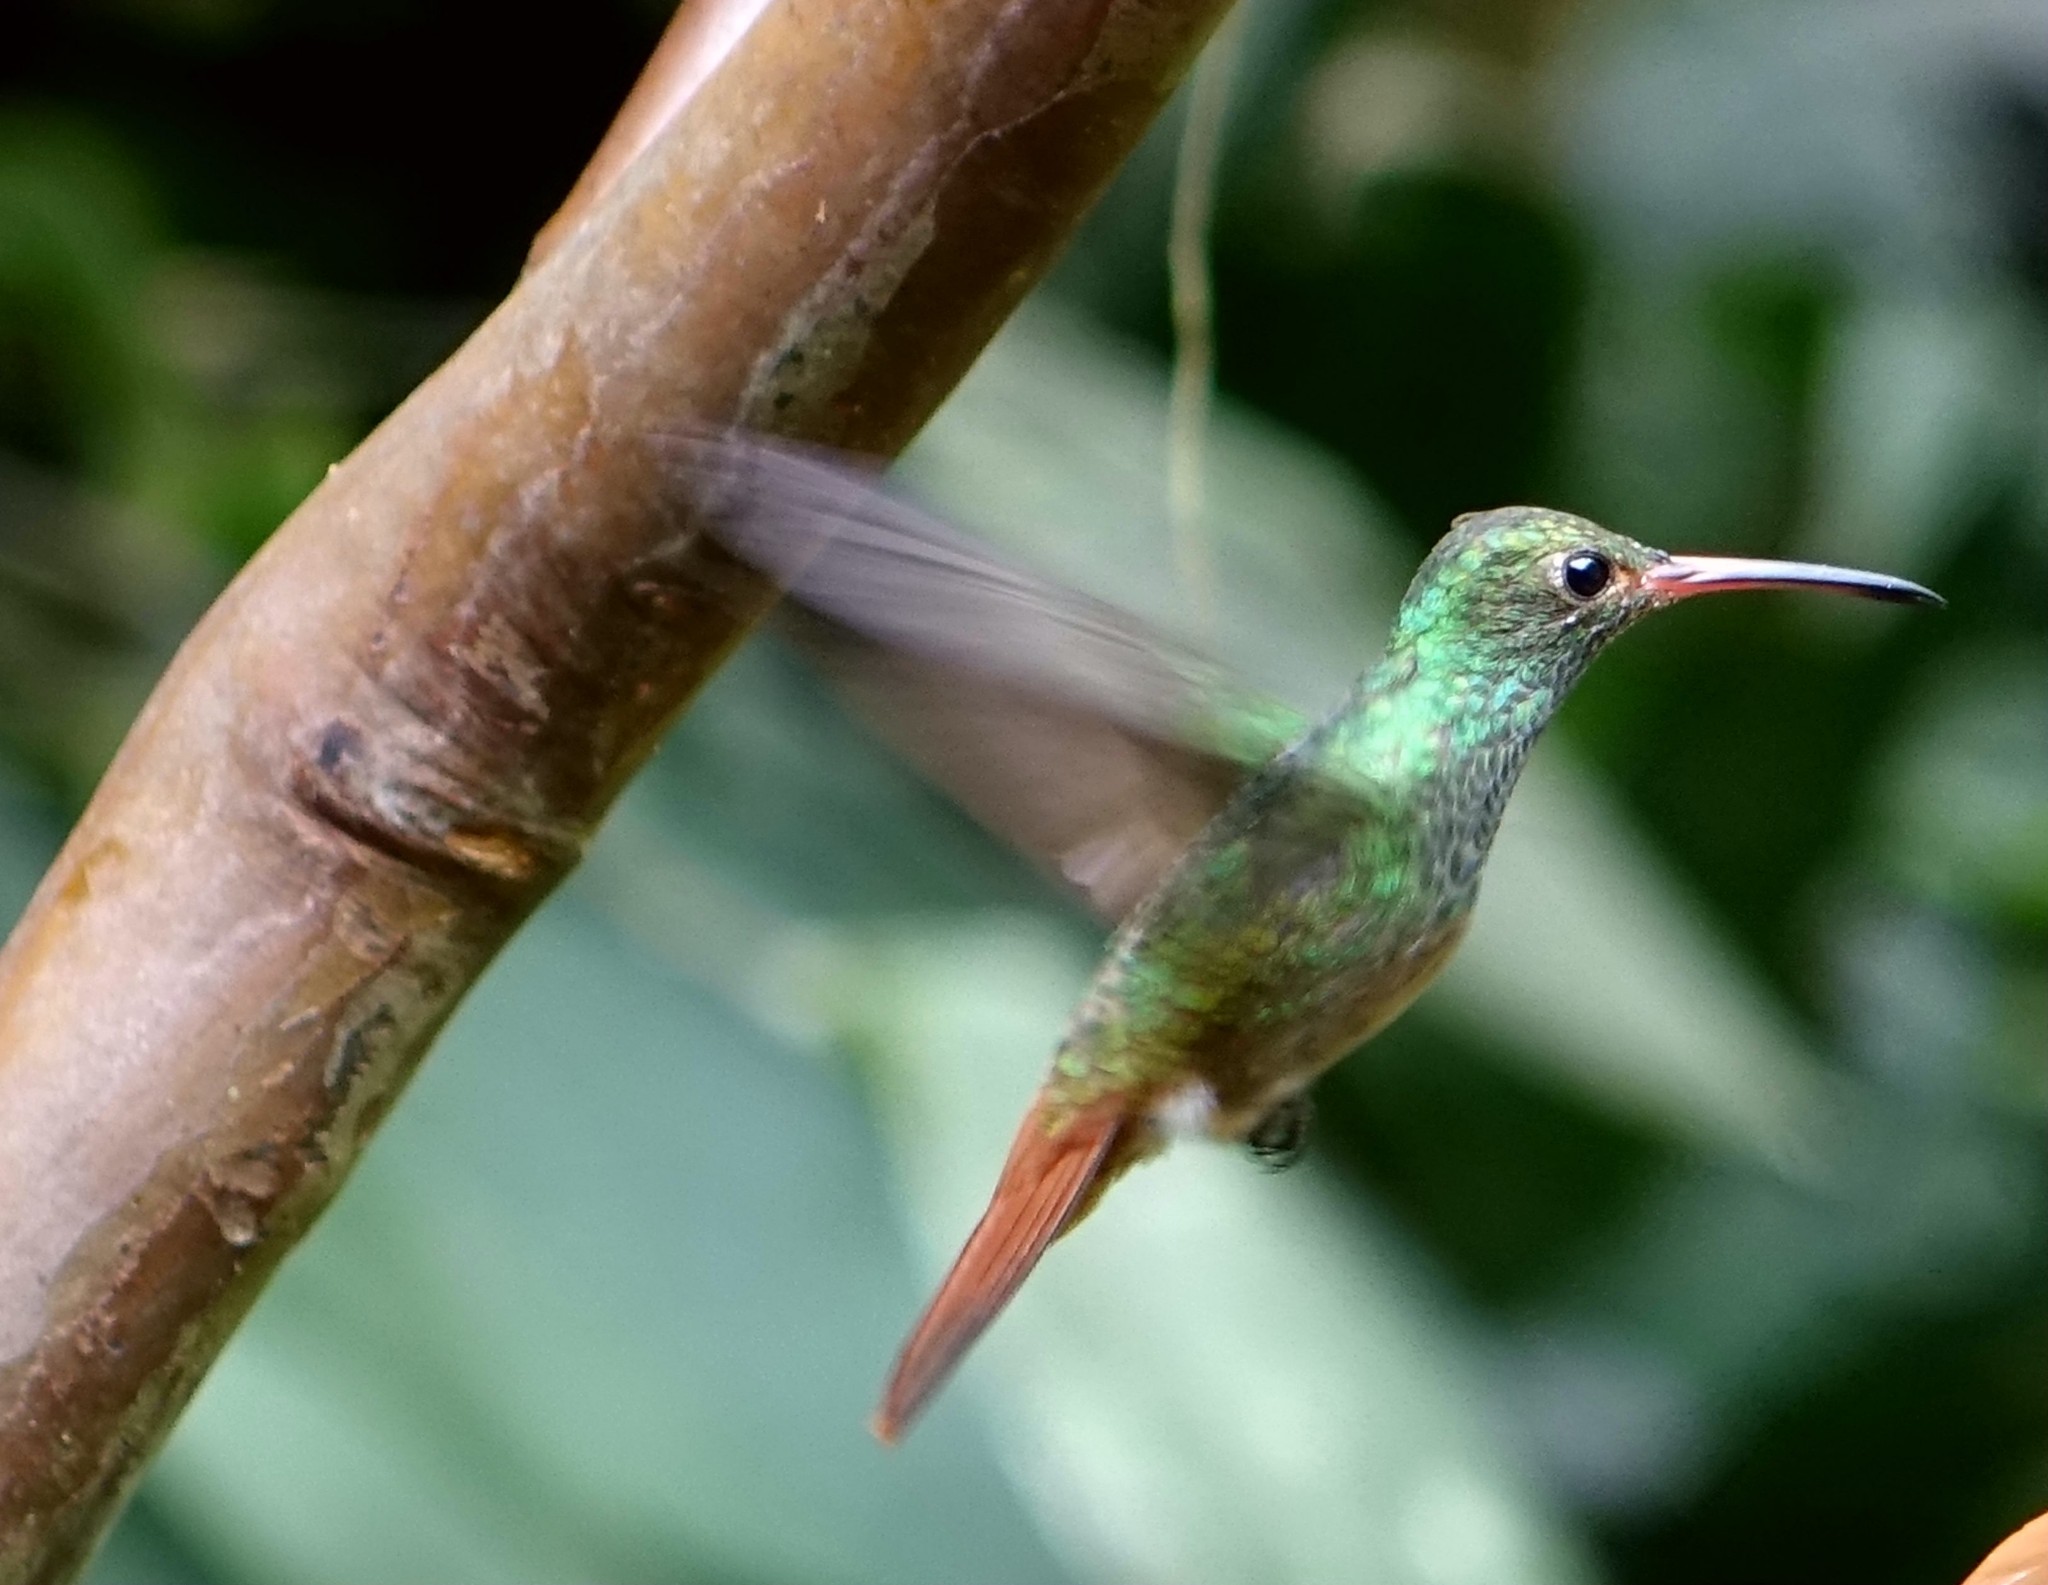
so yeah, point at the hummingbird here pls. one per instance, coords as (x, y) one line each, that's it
(1281, 888)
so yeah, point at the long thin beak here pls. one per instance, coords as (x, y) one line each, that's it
(1678, 577)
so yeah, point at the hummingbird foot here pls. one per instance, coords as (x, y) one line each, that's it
(1277, 1140)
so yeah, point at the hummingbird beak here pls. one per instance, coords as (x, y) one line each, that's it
(1679, 577)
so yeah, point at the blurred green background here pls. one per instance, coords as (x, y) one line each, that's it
(1692, 1230)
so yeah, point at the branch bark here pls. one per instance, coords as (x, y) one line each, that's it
(394, 733)
(2020, 1559)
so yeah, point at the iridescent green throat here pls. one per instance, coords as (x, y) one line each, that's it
(1436, 735)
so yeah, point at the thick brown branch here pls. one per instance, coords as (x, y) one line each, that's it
(393, 735)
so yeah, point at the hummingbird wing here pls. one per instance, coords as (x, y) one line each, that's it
(1062, 723)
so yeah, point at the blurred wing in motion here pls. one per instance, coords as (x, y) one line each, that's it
(1060, 722)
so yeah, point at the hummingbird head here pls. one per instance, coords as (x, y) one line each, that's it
(1522, 595)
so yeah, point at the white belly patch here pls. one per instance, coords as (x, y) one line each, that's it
(1186, 1110)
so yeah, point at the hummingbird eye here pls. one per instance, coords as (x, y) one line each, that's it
(1585, 573)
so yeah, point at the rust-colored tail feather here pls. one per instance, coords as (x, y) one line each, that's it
(1044, 1189)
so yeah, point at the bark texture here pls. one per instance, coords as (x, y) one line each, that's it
(395, 732)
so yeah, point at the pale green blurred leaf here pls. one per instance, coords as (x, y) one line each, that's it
(1692, 132)
(1589, 960)
(1964, 812)
(141, 1551)
(1931, 406)
(1732, 1290)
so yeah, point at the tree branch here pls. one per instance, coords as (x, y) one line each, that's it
(395, 732)
(2020, 1559)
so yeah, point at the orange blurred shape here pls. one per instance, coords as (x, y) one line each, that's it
(2020, 1559)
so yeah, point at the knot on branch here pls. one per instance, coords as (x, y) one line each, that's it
(402, 793)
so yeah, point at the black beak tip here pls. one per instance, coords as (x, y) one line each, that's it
(1901, 592)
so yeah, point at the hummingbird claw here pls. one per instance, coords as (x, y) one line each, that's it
(1277, 1140)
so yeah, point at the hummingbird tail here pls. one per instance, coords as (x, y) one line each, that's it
(1050, 1181)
